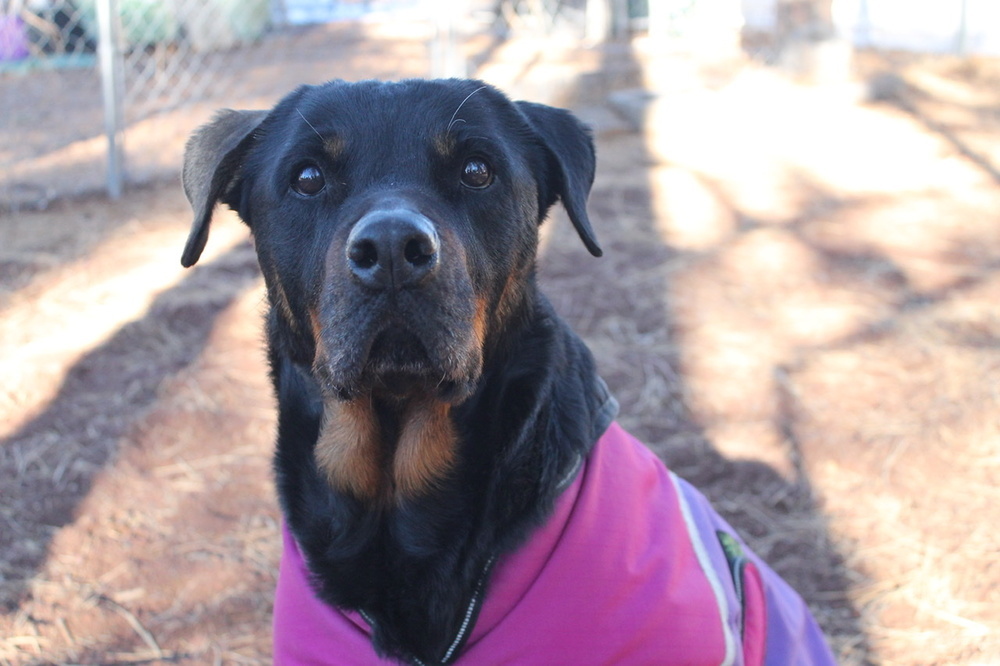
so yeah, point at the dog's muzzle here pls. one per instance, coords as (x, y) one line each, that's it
(399, 315)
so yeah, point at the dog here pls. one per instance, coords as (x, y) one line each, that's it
(453, 484)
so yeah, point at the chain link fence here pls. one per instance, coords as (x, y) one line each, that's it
(163, 65)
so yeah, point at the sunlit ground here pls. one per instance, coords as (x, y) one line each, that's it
(835, 300)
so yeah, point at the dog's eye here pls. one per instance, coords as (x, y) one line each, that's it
(308, 180)
(476, 173)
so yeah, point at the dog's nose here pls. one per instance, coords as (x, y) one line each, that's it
(393, 249)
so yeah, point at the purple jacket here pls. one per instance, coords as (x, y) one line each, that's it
(633, 567)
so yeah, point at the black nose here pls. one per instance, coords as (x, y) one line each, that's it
(393, 249)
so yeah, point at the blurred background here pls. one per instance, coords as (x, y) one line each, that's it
(166, 61)
(799, 202)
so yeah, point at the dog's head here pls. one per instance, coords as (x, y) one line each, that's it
(396, 223)
(392, 219)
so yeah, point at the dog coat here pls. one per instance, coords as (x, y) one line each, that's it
(632, 567)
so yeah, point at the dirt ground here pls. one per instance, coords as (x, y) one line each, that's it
(797, 309)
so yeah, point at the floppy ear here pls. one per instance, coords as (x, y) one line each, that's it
(212, 161)
(570, 150)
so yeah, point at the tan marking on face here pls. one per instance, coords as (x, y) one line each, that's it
(279, 299)
(348, 449)
(426, 448)
(317, 331)
(511, 294)
(314, 324)
(479, 322)
(444, 145)
(335, 146)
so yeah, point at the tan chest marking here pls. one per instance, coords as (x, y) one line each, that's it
(426, 448)
(349, 448)
(352, 453)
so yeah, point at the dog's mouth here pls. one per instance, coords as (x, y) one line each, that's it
(416, 335)
(397, 349)
(398, 364)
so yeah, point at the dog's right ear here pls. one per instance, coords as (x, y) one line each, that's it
(212, 161)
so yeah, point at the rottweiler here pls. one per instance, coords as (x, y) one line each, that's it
(452, 481)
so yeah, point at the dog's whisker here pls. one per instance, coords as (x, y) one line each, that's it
(311, 126)
(454, 116)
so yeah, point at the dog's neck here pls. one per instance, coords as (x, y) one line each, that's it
(467, 485)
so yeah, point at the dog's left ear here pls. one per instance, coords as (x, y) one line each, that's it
(571, 155)
(212, 161)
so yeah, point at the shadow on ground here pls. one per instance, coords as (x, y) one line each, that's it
(48, 466)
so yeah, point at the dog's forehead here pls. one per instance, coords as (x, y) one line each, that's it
(437, 111)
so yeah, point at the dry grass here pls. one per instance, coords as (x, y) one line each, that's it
(797, 309)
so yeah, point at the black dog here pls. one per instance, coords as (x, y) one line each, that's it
(433, 408)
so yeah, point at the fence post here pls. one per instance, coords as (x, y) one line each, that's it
(607, 19)
(962, 39)
(445, 58)
(112, 88)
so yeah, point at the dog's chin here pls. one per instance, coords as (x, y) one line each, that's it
(400, 385)
(405, 384)
(398, 367)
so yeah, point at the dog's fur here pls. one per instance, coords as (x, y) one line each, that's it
(424, 423)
